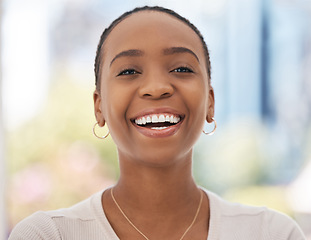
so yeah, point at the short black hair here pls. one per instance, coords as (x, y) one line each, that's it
(107, 31)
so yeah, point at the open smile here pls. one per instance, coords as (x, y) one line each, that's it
(158, 125)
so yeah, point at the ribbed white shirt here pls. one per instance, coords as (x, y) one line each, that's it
(87, 221)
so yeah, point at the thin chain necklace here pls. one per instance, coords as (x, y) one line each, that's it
(140, 232)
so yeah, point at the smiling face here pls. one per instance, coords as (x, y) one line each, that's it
(154, 93)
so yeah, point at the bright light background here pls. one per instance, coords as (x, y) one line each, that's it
(260, 53)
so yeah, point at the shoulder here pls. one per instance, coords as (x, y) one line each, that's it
(57, 224)
(249, 222)
(37, 226)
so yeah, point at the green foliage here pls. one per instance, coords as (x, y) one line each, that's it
(273, 197)
(54, 159)
(67, 116)
(233, 157)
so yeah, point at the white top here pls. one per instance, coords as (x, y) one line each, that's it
(87, 220)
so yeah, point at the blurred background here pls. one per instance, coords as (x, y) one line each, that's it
(261, 73)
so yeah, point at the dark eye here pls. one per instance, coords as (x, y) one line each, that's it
(182, 70)
(128, 72)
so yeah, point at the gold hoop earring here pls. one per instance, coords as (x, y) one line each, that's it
(103, 137)
(212, 132)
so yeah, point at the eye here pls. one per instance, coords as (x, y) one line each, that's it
(182, 70)
(128, 72)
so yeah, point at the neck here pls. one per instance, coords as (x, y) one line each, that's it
(160, 201)
(157, 189)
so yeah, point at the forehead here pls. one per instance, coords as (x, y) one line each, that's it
(151, 30)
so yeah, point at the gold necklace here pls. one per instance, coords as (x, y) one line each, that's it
(140, 232)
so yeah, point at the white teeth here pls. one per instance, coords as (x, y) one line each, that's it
(156, 118)
(161, 118)
(148, 119)
(158, 128)
(176, 119)
(144, 120)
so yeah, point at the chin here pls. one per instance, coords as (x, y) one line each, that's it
(162, 158)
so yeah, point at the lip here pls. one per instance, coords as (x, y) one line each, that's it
(158, 133)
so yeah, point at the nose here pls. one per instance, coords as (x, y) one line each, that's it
(155, 87)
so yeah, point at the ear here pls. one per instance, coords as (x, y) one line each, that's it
(98, 109)
(211, 105)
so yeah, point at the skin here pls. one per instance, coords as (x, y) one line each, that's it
(156, 189)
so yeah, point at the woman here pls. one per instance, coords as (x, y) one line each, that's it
(153, 91)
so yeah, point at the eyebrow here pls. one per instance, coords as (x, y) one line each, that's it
(166, 51)
(174, 50)
(128, 53)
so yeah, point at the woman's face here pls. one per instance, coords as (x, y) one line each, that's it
(154, 92)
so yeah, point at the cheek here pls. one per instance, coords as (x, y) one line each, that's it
(199, 107)
(197, 97)
(115, 105)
